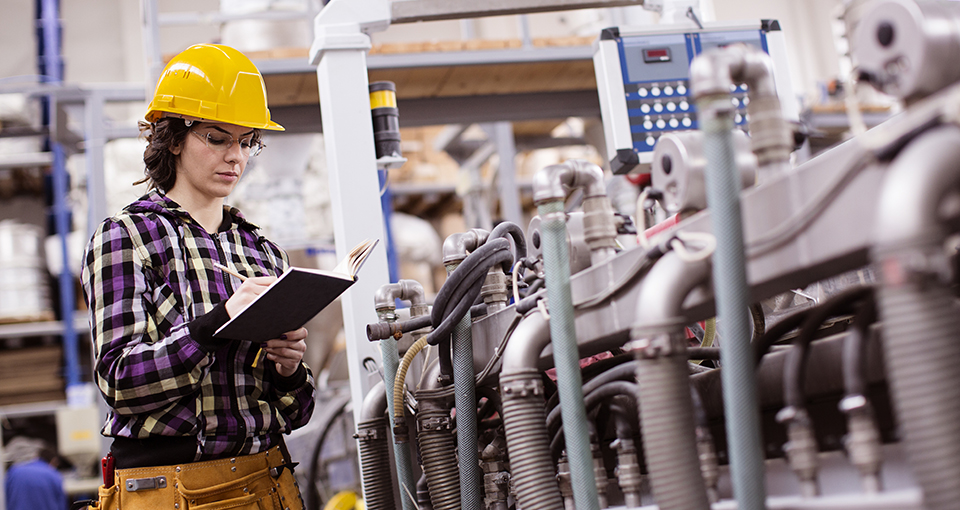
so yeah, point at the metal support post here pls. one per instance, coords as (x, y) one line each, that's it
(94, 140)
(502, 135)
(339, 52)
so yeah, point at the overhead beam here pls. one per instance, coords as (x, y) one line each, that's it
(410, 11)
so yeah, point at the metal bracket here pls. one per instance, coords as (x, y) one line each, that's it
(142, 484)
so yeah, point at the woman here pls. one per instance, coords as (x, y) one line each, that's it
(206, 414)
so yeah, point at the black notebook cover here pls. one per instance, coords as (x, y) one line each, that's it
(295, 298)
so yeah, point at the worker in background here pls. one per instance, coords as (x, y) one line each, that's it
(194, 418)
(33, 482)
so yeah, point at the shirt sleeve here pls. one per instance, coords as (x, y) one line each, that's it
(138, 369)
(294, 396)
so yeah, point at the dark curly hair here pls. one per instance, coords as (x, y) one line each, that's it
(161, 163)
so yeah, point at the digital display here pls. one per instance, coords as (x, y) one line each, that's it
(656, 55)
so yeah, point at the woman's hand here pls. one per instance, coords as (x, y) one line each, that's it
(287, 351)
(247, 292)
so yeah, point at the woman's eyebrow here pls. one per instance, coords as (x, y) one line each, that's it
(230, 134)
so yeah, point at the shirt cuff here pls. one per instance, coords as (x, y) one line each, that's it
(291, 383)
(202, 328)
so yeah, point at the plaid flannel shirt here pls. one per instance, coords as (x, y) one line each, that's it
(155, 300)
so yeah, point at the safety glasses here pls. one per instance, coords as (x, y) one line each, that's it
(221, 142)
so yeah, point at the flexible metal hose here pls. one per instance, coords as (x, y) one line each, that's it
(438, 453)
(566, 355)
(400, 383)
(919, 313)
(668, 432)
(524, 415)
(742, 413)
(471, 482)
(374, 455)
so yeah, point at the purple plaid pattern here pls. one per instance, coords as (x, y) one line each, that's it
(148, 272)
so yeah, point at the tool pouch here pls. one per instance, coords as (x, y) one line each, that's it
(252, 482)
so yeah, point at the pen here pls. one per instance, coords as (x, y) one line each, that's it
(242, 278)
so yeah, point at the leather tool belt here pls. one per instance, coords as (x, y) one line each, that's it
(263, 481)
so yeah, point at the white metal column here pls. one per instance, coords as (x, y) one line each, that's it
(339, 51)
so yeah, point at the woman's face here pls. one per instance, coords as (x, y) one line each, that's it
(212, 159)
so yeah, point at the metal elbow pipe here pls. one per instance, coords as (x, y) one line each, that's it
(714, 73)
(528, 341)
(456, 246)
(409, 290)
(666, 408)
(374, 403)
(551, 182)
(918, 309)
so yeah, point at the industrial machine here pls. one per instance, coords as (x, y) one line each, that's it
(563, 371)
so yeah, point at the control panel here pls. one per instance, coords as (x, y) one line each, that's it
(643, 81)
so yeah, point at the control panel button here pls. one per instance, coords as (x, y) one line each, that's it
(650, 141)
(661, 124)
(648, 125)
(735, 102)
(668, 90)
(684, 105)
(682, 90)
(738, 118)
(686, 122)
(645, 108)
(671, 107)
(746, 100)
(658, 107)
(655, 91)
(674, 123)
(642, 92)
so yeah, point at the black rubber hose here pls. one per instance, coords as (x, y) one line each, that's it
(854, 349)
(777, 331)
(703, 353)
(530, 302)
(462, 287)
(593, 370)
(794, 373)
(507, 228)
(623, 372)
(534, 287)
(592, 400)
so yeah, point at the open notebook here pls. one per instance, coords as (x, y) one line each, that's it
(294, 298)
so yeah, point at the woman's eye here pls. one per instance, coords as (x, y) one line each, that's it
(217, 140)
(246, 144)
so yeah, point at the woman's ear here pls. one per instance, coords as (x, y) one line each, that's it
(176, 149)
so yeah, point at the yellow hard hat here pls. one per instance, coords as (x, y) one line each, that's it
(215, 83)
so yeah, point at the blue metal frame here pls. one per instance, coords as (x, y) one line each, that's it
(50, 62)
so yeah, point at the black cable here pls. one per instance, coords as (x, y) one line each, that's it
(312, 495)
(794, 373)
(855, 348)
